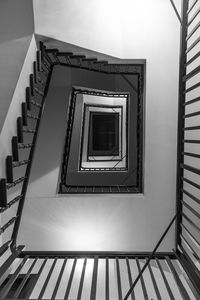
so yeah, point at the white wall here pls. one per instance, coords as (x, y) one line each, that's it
(145, 29)
(16, 40)
(16, 30)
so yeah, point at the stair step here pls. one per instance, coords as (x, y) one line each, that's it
(3, 191)
(103, 62)
(64, 54)
(90, 59)
(78, 56)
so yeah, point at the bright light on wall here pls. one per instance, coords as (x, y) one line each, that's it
(84, 236)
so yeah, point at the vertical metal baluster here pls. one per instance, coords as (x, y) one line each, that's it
(70, 280)
(34, 283)
(6, 265)
(82, 280)
(142, 280)
(165, 280)
(59, 279)
(177, 279)
(13, 277)
(47, 280)
(107, 279)
(154, 282)
(20, 287)
(130, 277)
(118, 280)
(94, 279)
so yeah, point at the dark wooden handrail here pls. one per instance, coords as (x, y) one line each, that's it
(150, 257)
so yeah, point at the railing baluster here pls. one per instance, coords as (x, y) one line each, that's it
(34, 283)
(10, 203)
(8, 224)
(26, 277)
(193, 58)
(119, 287)
(193, 45)
(191, 209)
(177, 279)
(191, 128)
(193, 17)
(10, 260)
(107, 297)
(15, 182)
(196, 99)
(70, 280)
(192, 273)
(191, 236)
(130, 277)
(59, 280)
(82, 280)
(192, 6)
(154, 282)
(94, 279)
(194, 114)
(191, 222)
(193, 87)
(142, 280)
(192, 251)
(191, 169)
(5, 247)
(165, 280)
(47, 280)
(193, 31)
(191, 154)
(13, 277)
(191, 196)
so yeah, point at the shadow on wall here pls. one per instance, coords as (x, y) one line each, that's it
(16, 30)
